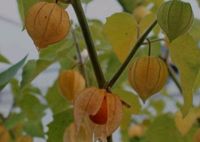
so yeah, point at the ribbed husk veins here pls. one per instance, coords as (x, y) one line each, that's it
(88, 105)
(147, 75)
(175, 17)
(71, 83)
(47, 23)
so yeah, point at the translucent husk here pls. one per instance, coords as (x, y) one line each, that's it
(89, 102)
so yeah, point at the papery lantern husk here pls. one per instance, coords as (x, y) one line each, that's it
(24, 139)
(47, 23)
(147, 76)
(71, 83)
(4, 134)
(84, 134)
(89, 102)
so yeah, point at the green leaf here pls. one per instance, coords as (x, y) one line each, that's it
(32, 107)
(86, 1)
(4, 59)
(175, 18)
(130, 99)
(13, 120)
(34, 128)
(32, 69)
(60, 122)
(8, 74)
(163, 129)
(185, 54)
(55, 100)
(130, 5)
(120, 30)
(48, 56)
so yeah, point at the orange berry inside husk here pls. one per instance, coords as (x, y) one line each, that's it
(102, 115)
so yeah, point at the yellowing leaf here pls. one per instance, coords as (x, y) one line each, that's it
(184, 124)
(144, 24)
(185, 54)
(120, 30)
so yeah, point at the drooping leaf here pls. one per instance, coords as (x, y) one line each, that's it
(120, 30)
(55, 100)
(162, 129)
(185, 123)
(175, 17)
(8, 74)
(188, 63)
(57, 127)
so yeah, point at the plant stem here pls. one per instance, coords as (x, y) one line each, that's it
(109, 139)
(171, 74)
(89, 42)
(80, 60)
(132, 53)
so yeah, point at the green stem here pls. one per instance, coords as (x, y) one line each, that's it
(132, 53)
(89, 42)
(80, 60)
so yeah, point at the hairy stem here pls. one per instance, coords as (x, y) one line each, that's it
(132, 53)
(89, 42)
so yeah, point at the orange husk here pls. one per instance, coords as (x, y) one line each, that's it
(84, 134)
(147, 76)
(71, 83)
(47, 23)
(89, 102)
(4, 134)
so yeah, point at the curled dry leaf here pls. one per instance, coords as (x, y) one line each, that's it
(84, 134)
(71, 83)
(147, 76)
(102, 109)
(47, 23)
(4, 134)
(24, 139)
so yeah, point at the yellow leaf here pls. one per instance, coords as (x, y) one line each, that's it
(184, 124)
(185, 54)
(120, 30)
